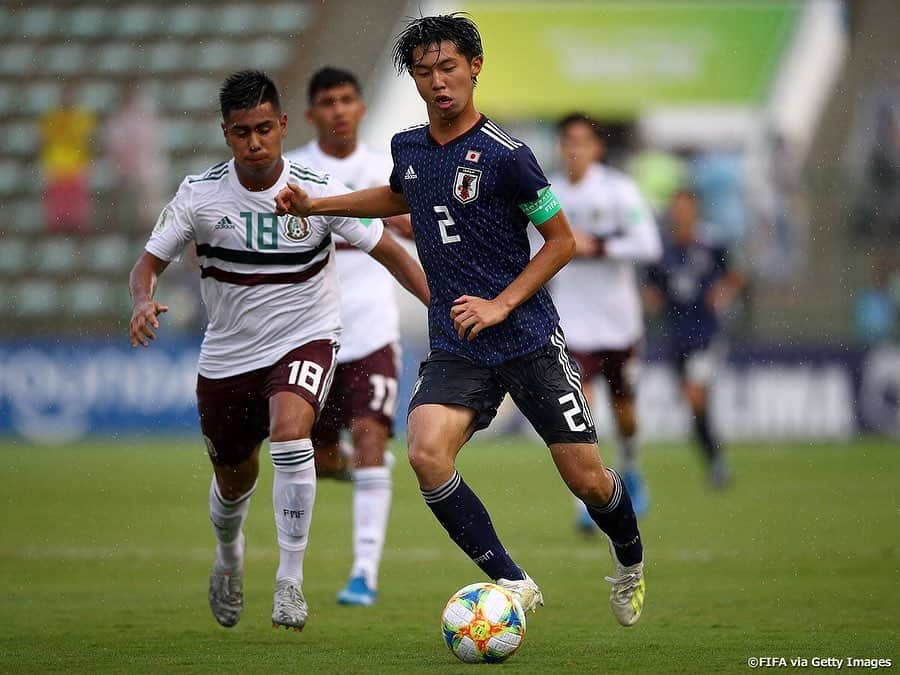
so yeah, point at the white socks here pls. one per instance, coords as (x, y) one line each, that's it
(228, 518)
(371, 507)
(293, 495)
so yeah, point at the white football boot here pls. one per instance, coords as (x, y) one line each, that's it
(525, 591)
(289, 606)
(627, 594)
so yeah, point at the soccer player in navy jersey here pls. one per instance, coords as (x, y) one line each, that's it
(694, 283)
(471, 190)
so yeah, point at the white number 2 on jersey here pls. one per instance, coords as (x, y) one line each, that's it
(306, 374)
(444, 223)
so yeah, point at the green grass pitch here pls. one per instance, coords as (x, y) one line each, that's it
(106, 548)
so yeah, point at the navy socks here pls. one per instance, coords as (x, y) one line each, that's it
(467, 522)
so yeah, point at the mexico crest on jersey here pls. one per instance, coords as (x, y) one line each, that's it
(465, 185)
(296, 228)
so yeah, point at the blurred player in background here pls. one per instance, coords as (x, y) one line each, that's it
(268, 356)
(597, 294)
(695, 283)
(472, 190)
(363, 396)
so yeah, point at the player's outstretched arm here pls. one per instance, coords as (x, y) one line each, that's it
(400, 225)
(472, 314)
(377, 202)
(144, 310)
(402, 265)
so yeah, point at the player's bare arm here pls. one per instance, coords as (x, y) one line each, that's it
(724, 292)
(378, 202)
(586, 245)
(472, 314)
(400, 225)
(402, 266)
(144, 309)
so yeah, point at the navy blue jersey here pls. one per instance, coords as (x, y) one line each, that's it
(685, 276)
(468, 200)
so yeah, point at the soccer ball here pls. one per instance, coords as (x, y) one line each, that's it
(483, 623)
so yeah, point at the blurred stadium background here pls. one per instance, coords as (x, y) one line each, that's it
(782, 114)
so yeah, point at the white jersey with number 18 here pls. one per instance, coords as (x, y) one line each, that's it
(269, 283)
(368, 305)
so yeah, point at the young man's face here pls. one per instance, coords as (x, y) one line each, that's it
(443, 77)
(254, 136)
(336, 112)
(579, 147)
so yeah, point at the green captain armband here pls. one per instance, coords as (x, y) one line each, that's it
(543, 208)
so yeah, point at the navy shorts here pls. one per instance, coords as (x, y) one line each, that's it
(545, 385)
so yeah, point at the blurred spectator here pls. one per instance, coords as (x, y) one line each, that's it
(134, 147)
(876, 307)
(66, 160)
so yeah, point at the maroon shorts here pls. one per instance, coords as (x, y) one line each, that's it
(234, 411)
(619, 367)
(366, 387)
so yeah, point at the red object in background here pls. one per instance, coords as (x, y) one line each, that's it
(67, 204)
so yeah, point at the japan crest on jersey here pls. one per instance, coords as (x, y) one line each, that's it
(465, 185)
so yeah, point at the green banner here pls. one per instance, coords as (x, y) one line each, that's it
(616, 58)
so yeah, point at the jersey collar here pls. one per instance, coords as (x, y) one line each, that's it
(468, 132)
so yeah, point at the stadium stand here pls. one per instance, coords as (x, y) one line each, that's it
(178, 55)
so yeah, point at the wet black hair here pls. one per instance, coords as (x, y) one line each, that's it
(328, 77)
(581, 118)
(247, 89)
(430, 30)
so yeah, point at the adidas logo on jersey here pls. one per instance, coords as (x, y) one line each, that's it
(410, 173)
(224, 224)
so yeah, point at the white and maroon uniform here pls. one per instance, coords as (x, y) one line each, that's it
(269, 282)
(365, 383)
(598, 298)
(368, 305)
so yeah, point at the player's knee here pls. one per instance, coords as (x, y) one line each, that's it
(237, 480)
(428, 459)
(287, 430)
(594, 486)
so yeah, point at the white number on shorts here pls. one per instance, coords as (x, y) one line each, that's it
(385, 396)
(306, 374)
(444, 223)
(571, 412)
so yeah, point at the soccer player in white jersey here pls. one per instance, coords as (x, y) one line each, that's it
(363, 396)
(270, 289)
(597, 294)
